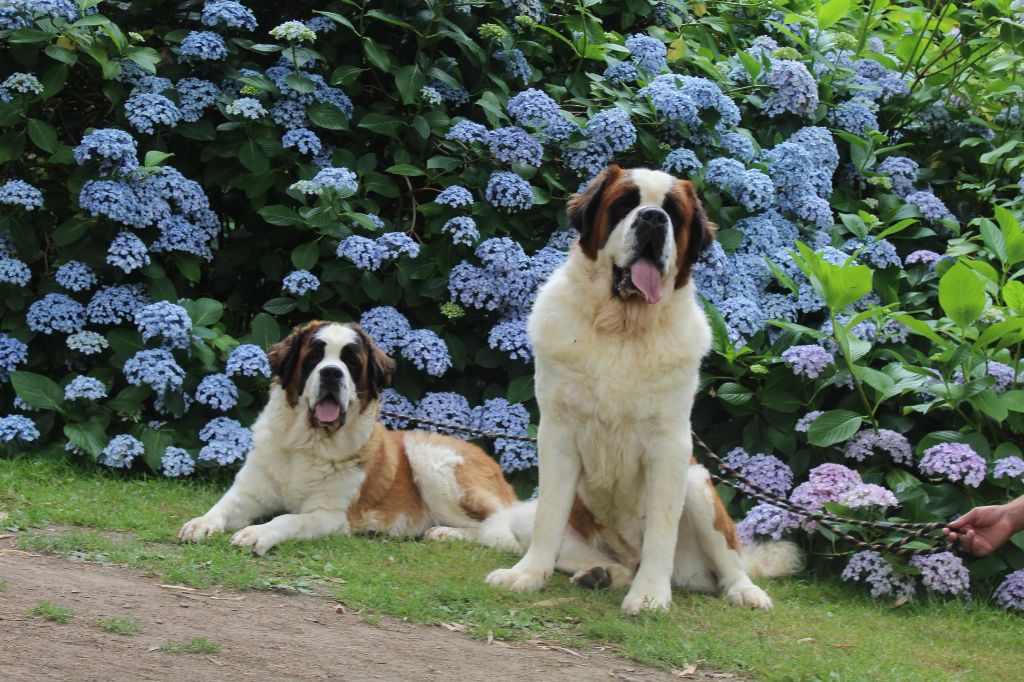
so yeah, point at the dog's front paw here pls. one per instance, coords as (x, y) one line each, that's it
(199, 528)
(259, 538)
(749, 595)
(445, 533)
(646, 598)
(517, 579)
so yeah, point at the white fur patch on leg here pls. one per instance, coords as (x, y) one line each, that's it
(448, 533)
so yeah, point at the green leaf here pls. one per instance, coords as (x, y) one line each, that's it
(155, 158)
(835, 426)
(265, 331)
(1014, 400)
(280, 305)
(205, 311)
(734, 394)
(155, 443)
(1013, 294)
(919, 327)
(71, 230)
(991, 404)
(90, 435)
(832, 11)
(994, 240)
(409, 79)
(520, 389)
(381, 123)
(300, 83)
(337, 18)
(305, 256)
(962, 294)
(281, 215)
(251, 155)
(404, 169)
(129, 400)
(327, 116)
(37, 390)
(42, 135)
(377, 55)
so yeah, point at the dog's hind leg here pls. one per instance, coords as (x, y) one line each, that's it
(708, 550)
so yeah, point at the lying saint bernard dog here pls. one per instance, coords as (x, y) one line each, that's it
(325, 464)
(619, 336)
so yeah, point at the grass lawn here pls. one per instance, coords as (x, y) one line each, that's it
(819, 629)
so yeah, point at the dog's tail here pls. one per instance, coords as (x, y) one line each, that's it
(771, 559)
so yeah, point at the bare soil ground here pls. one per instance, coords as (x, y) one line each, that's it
(261, 635)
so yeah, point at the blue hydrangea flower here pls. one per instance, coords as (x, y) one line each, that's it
(228, 14)
(227, 441)
(462, 230)
(321, 24)
(956, 461)
(532, 108)
(497, 415)
(681, 162)
(447, 407)
(794, 89)
(397, 244)
(294, 32)
(145, 111)
(155, 368)
(427, 351)
(176, 462)
(513, 145)
(755, 191)
(23, 83)
(515, 64)
(341, 180)
(393, 401)
(613, 128)
(647, 54)
(85, 388)
(18, 427)
(121, 451)
(246, 107)
(808, 360)
(128, 252)
(12, 353)
(75, 276)
(87, 343)
(725, 173)
(508, 191)
(621, 73)
(116, 150)
(203, 45)
(765, 234)
(856, 116)
(289, 114)
(364, 253)
(931, 207)
(178, 234)
(454, 196)
(14, 272)
(248, 360)
(217, 391)
(116, 304)
(903, 173)
(166, 320)
(195, 97)
(154, 85)
(466, 132)
(387, 327)
(302, 139)
(20, 193)
(509, 336)
(738, 146)
(876, 252)
(300, 282)
(56, 313)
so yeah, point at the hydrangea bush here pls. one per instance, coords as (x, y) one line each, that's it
(182, 183)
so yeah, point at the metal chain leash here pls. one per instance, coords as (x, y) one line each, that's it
(914, 531)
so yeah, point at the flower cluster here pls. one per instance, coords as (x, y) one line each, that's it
(18, 427)
(870, 568)
(393, 334)
(226, 440)
(866, 443)
(767, 472)
(176, 462)
(121, 451)
(956, 461)
(247, 360)
(85, 388)
(168, 321)
(371, 254)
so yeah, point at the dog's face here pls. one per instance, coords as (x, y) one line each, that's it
(646, 226)
(329, 369)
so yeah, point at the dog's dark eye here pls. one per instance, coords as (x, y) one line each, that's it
(671, 206)
(621, 207)
(350, 356)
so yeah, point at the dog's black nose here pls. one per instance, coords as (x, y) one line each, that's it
(653, 216)
(331, 374)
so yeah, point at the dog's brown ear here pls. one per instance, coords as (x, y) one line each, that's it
(284, 355)
(699, 231)
(583, 207)
(378, 367)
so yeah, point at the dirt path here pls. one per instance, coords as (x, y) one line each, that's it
(261, 634)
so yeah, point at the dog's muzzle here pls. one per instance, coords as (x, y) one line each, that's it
(328, 410)
(643, 272)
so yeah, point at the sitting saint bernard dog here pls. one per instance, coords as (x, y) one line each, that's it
(325, 464)
(619, 336)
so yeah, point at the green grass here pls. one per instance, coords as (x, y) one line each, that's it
(196, 645)
(820, 628)
(120, 625)
(3, 585)
(47, 611)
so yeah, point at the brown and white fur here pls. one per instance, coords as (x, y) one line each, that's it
(325, 464)
(619, 337)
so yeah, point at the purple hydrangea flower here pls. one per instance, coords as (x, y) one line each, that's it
(804, 423)
(865, 443)
(765, 471)
(765, 521)
(1009, 467)
(921, 256)
(808, 360)
(1010, 593)
(868, 495)
(956, 461)
(944, 573)
(869, 567)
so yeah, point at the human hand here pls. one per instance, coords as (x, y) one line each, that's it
(983, 530)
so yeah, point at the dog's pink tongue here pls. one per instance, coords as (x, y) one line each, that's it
(647, 279)
(328, 411)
